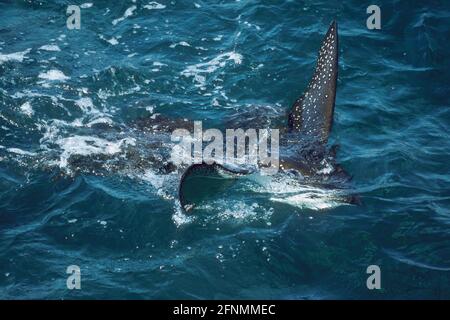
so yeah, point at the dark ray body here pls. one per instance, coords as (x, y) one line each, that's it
(303, 138)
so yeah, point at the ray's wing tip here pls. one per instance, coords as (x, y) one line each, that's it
(331, 38)
(333, 29)
(333, 24)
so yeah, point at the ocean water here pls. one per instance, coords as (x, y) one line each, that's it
(76, 93)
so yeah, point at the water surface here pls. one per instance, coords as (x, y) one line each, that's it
(206, 60)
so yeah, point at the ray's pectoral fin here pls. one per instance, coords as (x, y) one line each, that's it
(312, 113)
(202, 181)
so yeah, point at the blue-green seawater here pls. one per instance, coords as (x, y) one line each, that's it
(204, 60)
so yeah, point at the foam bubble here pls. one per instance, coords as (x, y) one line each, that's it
(113, 41)
(327, 168)
(53, 75)
(181, 43)
(50, 47)
(21, 152)
(154, 6)
(196, 71)
(129, 12)
(103, 120)
(241, 210)
(291, 191)
(87, 145)
(311, 200)
(27, 109)
(179, 218)
(156, 181)
(16, 56)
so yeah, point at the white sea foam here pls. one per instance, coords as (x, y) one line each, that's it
(129, 12)
(85, 103)
(50, 47)
(16, 56)
(199, 70)
(113, 41)
(181, 43)
(21, 152)
(86, 5)
(50, 133)
(53, 75)
(154, 5)
(237, 211)
(241, 210)
(87, 106)
(9, 120)
(87, 145)
(164, 184)
(156, 180)
(326, 169)
(104, 120)
(179, 217)
(311, 200)
(91, 116)
(27, 109)
(293, 192)
(248, 24)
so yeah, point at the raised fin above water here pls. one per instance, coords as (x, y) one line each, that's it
(196, 175)
(312, 113)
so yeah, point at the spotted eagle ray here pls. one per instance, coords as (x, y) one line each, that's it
(308, 174)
